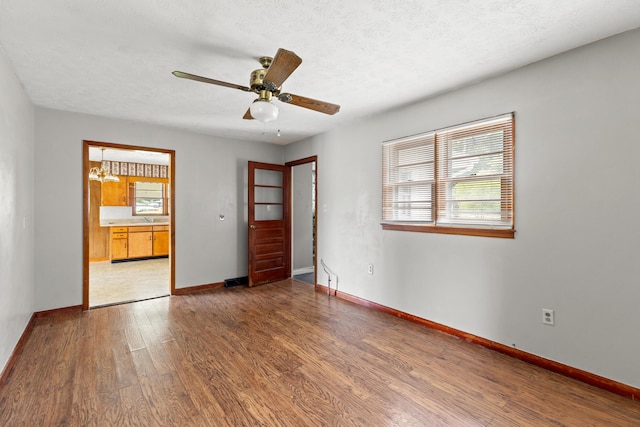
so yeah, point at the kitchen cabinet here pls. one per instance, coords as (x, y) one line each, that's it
(160, 240)
(130, 242)
(119, 243)
(140, 242)
(115, 193)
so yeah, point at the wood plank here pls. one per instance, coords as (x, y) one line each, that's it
(135, 407)
(279, 354)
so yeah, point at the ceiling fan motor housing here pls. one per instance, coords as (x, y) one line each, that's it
(258, 83)
(257, 79)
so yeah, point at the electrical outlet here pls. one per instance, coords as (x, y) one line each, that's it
(370, 269)
(548, 317)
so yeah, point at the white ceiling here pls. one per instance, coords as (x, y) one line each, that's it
(115, 58)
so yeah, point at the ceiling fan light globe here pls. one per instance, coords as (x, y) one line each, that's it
(263, 111)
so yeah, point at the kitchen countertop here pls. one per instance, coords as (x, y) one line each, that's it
(132, 222)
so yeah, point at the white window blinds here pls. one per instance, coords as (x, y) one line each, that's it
(408, 170)
(456, 177)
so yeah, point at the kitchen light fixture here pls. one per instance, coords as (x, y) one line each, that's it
(99, 174)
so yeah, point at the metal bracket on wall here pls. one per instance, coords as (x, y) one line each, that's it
(330, 273)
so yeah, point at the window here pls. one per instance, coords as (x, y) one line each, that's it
(457, 180)
(149, 198)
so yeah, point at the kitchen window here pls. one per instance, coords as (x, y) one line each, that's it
(149, 198)
(457, 180)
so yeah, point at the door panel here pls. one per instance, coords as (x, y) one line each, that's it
(269, 246)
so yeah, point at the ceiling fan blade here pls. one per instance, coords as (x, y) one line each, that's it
(247, 115)
(183, 75)
(284, 63)
(311, 104)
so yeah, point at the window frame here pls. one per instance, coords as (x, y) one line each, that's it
(165, 196)
(435, 225)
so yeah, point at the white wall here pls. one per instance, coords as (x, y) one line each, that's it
(577, 183)
(16, 210)
(302, 217)
(210, 180)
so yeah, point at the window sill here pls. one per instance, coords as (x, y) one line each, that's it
(464, 231)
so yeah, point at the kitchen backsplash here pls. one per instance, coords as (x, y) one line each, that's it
(120, 212)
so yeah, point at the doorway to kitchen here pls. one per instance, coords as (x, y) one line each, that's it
(128, 215)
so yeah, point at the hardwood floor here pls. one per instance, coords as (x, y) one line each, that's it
(279, 355)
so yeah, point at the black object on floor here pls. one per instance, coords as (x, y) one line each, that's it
(236, 282)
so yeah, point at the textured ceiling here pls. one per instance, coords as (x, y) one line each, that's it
(114, 58)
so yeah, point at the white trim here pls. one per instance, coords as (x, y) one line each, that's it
(303, 270)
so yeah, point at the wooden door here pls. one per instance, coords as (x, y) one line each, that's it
(269, 218)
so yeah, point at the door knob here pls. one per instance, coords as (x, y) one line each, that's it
(253, 227)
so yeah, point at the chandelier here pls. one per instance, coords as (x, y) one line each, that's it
(99, 174)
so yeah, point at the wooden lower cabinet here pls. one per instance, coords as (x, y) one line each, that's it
(160, 240)
(140, 242)
(119, 243)
(119, 248)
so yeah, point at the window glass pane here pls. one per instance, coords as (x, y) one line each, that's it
(410, 203)
(418, 211)
(145, 206)
(148, 198)
(408, 174)
(472, 202)
(268, 212)
(477, 144)
(475, 190)
(491, 164)
(268, 177)
(413, 193)
(471, 212)
(148, 189)
(268, 195)
(419, 154)
(420, 172)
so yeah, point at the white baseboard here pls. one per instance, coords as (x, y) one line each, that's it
(303, 270)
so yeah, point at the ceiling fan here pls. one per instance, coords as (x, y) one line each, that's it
(267, 82)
